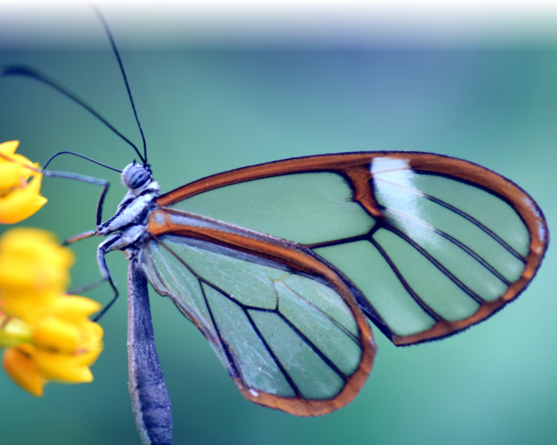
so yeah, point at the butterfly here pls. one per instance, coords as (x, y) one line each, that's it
(282, 266)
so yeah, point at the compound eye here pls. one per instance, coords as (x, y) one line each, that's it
(136, 177)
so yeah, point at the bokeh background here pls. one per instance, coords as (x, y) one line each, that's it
(211, 106)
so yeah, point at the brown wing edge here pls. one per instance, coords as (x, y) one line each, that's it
(295, 258)
(355, 167)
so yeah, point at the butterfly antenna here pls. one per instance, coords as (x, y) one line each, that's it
(79, 156)
(123, 71)
(34, 74)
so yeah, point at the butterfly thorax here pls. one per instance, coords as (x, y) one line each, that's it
(128, 225)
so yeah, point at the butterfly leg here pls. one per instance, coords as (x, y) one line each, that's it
(87, 287)
(111, 243)
(89, 180)
(116, 241)
(79, 237)
(90, 286)
(105, 185)
(103, 249)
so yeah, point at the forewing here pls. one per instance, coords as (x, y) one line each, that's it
(289, 340)
(434, 244)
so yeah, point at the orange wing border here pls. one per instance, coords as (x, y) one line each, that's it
(356, 169)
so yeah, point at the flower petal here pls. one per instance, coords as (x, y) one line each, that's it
(8, 148)
(57, 335)
(24, 305)
(10, 176)
(23, 371)
(15, 171)
(22, 202)
(33, 270)
(73, 308)
(64, 368)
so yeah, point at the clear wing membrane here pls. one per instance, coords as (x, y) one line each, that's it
(305, 208)
(433, 243)
(276, 331)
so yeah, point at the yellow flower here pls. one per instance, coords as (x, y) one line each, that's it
(48, 334)
(58, 343)
(19, 198)
(33, 270)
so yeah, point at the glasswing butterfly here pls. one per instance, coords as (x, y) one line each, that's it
(282, 265)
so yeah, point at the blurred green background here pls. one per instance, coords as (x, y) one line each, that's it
(209, 110)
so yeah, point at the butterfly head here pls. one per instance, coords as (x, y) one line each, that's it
(136, 177)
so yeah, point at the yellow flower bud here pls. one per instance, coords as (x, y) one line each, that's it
(19, 198)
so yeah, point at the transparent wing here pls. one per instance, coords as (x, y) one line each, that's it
(290, 341)
(305, 208)
(434, 244)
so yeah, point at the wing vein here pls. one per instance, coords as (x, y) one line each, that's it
(312, 346)
(245, 308)
(350, 239)
(457, 243)
(272, 353)
(461, 213)
(224, 343)
(404, 283)
(437, 264)
(203, 280)
(331, 319)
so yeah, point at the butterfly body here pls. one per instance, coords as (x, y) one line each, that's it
(128, 225)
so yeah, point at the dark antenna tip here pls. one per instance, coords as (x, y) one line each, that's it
(10, 70)
(16, 70)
